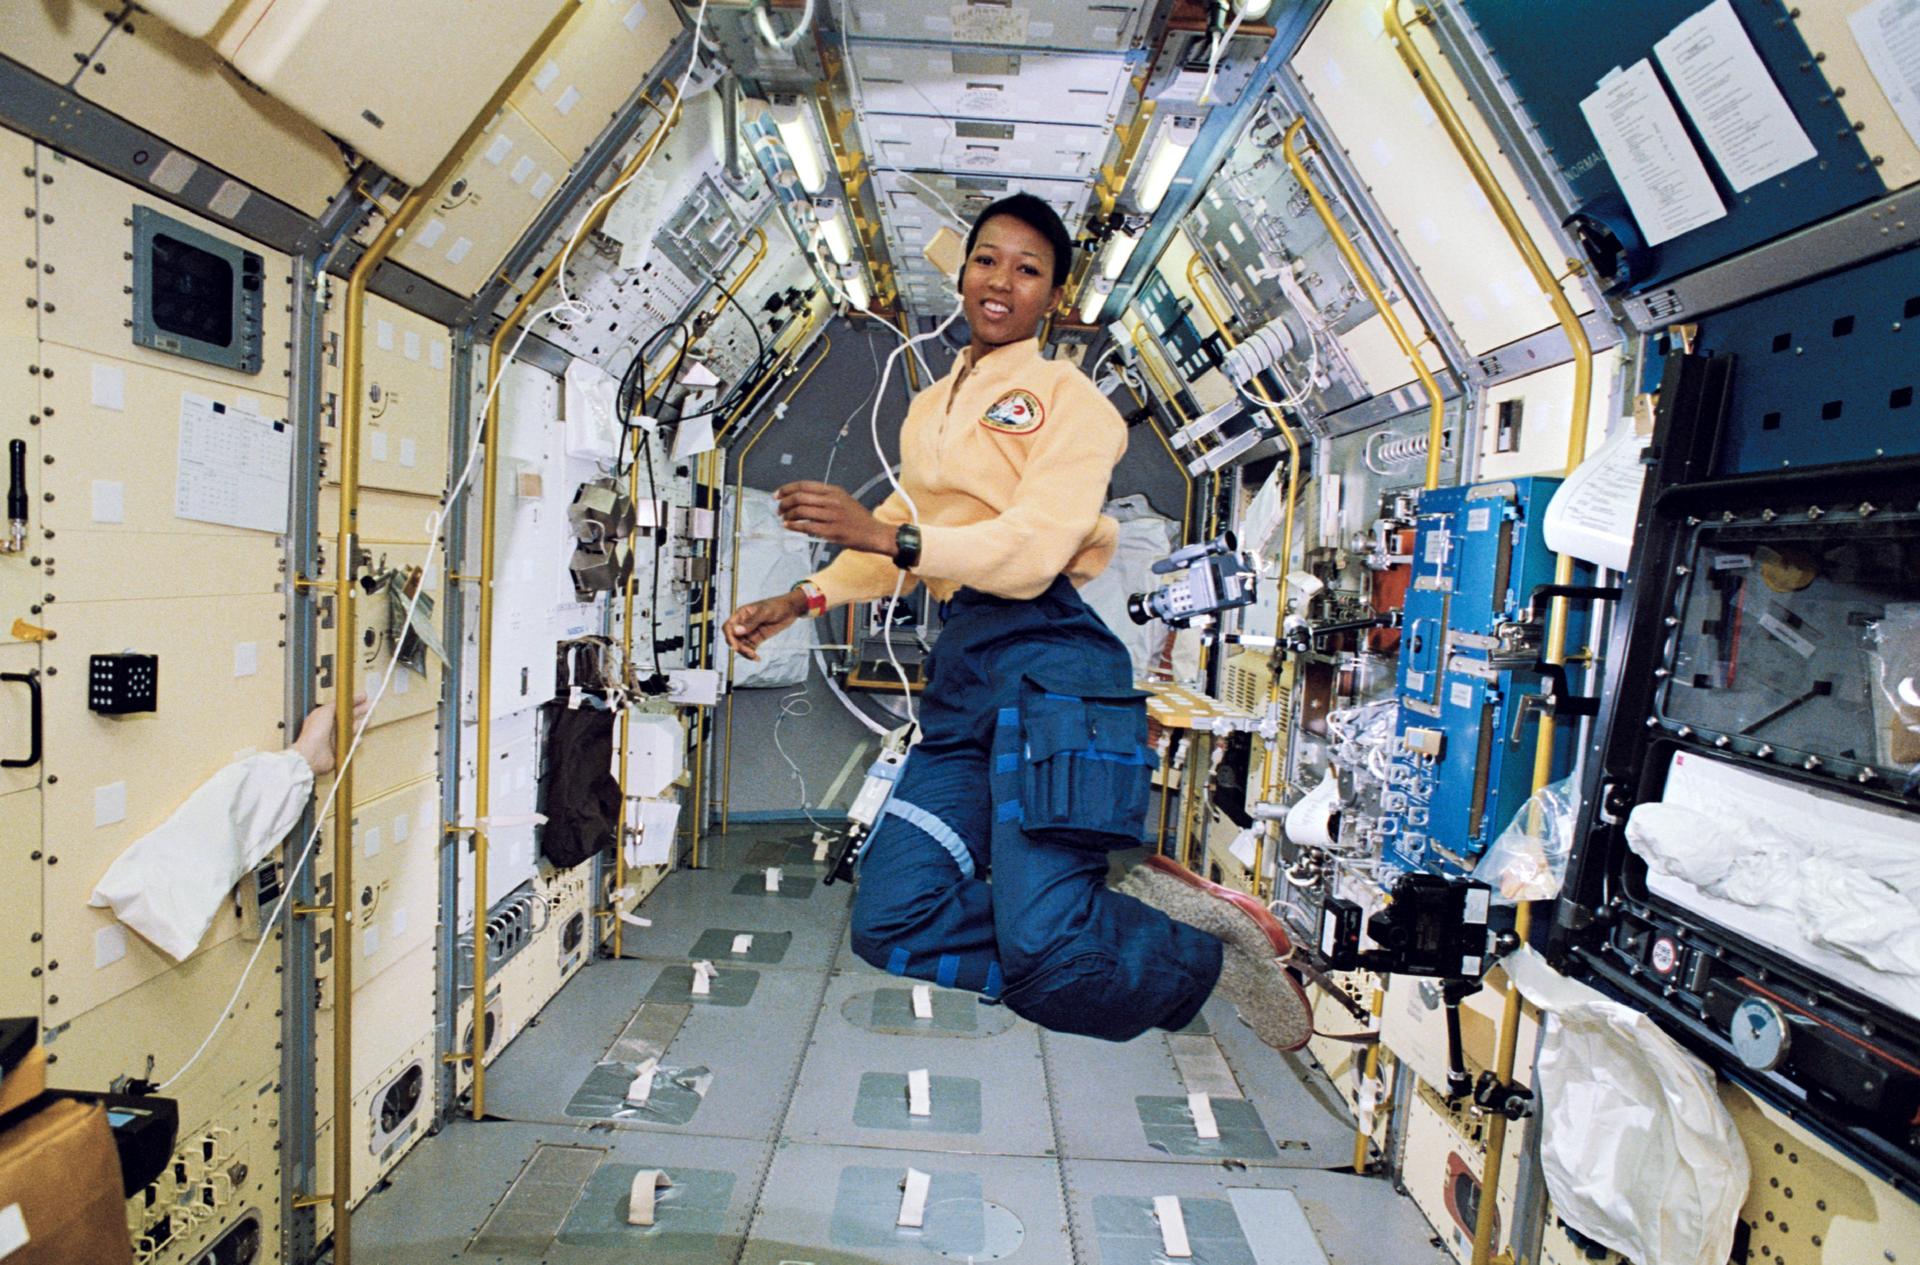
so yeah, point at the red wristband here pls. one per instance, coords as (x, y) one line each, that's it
(816, 600)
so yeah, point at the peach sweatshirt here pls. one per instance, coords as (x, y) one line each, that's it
(1008, 462)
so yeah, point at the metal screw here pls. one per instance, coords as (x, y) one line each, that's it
(1766, 751)
(1814, 511)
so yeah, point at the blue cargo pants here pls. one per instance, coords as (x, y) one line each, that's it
(1033, 765)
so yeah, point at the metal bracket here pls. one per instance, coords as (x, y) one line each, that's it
(1515, 1102)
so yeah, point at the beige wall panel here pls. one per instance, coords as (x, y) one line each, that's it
(403, 445)
(1546, 409)
(393, 754)
(191, 17)
(509, 174)
(21, 990)
(1826, 29)
(395, 519)
(606, 50)
(1441, 1144)
(355, 66)
(51, 37)
(133, 449)
(395, 878)
(177, 88)
(167, 1018)
(101, 566)
(207, 717)
(85, 300)
(1418, 180)
(1808, 1203)
(369, 1167)
(525, 985)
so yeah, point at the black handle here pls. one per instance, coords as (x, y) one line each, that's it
(32, 681)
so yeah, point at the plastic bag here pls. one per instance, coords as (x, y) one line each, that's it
(1893, 651)
(1638, 1151)
(1529, 859)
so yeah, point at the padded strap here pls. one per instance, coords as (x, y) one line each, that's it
(940, 831)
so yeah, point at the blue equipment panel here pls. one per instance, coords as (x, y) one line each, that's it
(1461, 768)
(1823, 373)
(1552, 73)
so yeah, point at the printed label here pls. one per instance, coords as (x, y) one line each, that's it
(1793, 640)
(1417, 681)
(1732, 562)
(1480, 519)
(1461, 695)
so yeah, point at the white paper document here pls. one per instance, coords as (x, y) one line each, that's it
(1665, 183)
(693, 438)
(1888, 33)
(234, 468)
(1731, 97)
(1592, 514)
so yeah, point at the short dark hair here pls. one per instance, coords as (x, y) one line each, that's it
(1039, 217)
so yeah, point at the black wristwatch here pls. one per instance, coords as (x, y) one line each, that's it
(906, 547)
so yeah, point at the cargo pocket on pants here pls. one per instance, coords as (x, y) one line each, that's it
(1086, 766)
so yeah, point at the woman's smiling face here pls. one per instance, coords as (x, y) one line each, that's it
(1008, 283)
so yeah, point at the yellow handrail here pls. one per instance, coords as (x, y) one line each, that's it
(345, 645)
(1436, 404)
(733, 597)
(482, 781)
(1198, 265)
(1556, 640)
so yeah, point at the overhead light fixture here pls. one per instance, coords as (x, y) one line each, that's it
(833, 226)
(854, 282)
(1094, 300)
(1163, 163)
(1252, 10)
(1114, 255)
(790, 113)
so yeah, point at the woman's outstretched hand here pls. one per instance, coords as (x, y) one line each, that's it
(753, 623)
(831, 514)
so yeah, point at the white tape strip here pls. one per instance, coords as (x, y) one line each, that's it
(821, 845)
(773, 878)
(923, 1001)
(913, 1199)
(1173, 1226)
(509, 820)
(642, 1087)
(640, 1197)
(635, 920)
(743, 944)
(1204, 1125)
(919, 1093)
(703, 974)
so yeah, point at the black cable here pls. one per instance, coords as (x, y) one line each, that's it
(759, 362)
(659, 531)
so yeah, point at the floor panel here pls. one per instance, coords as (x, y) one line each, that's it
(778, 1110)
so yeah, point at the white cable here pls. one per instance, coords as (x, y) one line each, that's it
(780, 43)
(1220, 43)
(796, 704)
(434, 526)
(913, 510)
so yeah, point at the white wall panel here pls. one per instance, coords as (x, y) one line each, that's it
(1027, 149)
(1419, 181)
(1545, 401)
(987, 83)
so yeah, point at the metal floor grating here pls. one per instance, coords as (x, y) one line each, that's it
(772, 1116)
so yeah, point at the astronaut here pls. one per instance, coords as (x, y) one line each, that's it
(1033, 762)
